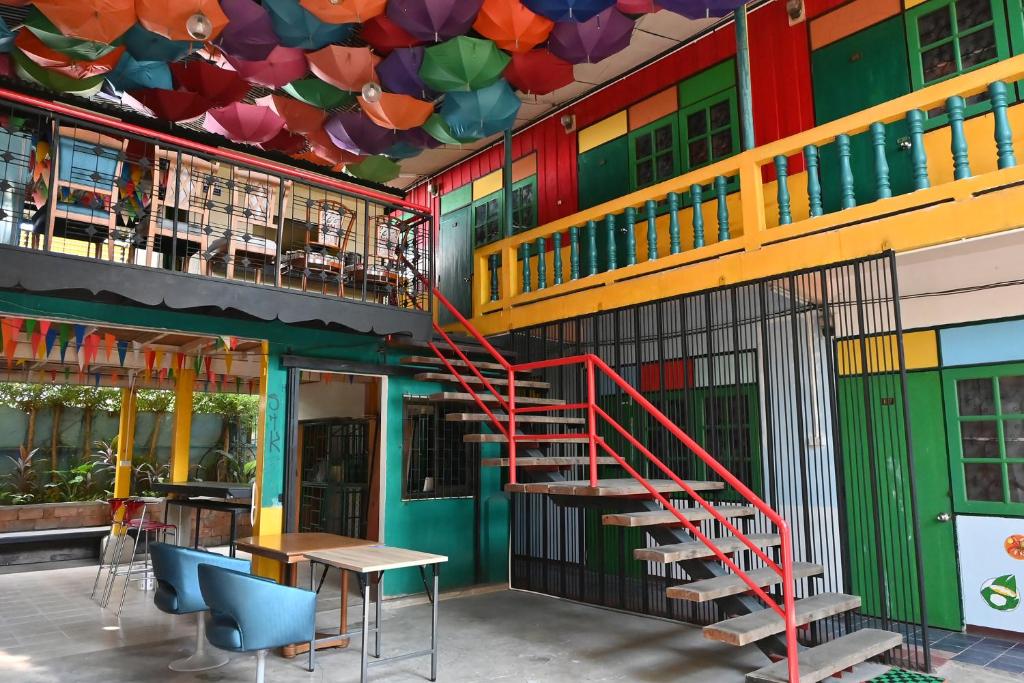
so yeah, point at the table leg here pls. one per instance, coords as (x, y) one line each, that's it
(195, 541)
(344, 602)
(376, 617)
(233, 533)
(312, 643)
(433, 629)
(364, 582)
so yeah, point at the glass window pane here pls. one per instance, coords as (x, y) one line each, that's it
(1011, 395)
(644, 173)
(696, 124)
(1016, 475)
(721, 144)
(663, 139)
(643, 146)
(698, 152)
(984, 481)
(979, 439)
(938, 62)
(721, 114)
(972, 13)
(935, 26)
(978, 48)
(1013, 438)
(975, 397)
(666, 167)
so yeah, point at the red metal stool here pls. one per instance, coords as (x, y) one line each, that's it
(136, 525)
(115, 505)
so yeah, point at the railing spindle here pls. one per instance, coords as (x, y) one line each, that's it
(782, 178)
(1003, 133)
(574, 253)
(918, 156)
(651, 207)
(882, 188)
(542, 263)
(556, 256)
(526, 267)
(609, 234)
(848, 199)
(674, 244)
(630, 231)
(813, 181)
(698, 216)
(492, 262)
(591, 248)
(955, 105)
(721, 190)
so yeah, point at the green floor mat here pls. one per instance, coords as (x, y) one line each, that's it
(901, 676)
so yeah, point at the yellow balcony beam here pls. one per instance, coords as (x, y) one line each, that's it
(125, 443)
(181, 449)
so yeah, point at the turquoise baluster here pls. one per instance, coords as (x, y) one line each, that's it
(883, 189)
(542, 263)
(782, 177)
(813, 181)
(918, 156)
(630, 230)
(556, 257)
(698, 216)
(955, 105)
(574, 253)
(609, 233)
(723, 208)
(651, 207)
(1003, 134)
(849, 200)
(591, 248)
(526, 267)
(674, 244)
(493, 263)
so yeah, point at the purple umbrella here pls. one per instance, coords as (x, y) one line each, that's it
(250, 33)
(353, 132)
(417, 137)
(701, 9)
(434, 20)
(399, 72)
(592, 40)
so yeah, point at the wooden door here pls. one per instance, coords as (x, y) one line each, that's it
(455, 263)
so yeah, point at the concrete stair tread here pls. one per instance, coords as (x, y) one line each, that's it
(487, 397)
(731, 584)
(545, 462)
(748, 628)
(467, 345)
(456, 362)
(523, 438)
(663, 517)
(473, 379)
(695, 550)
(520, 419)
(609, 487)
(818, 663)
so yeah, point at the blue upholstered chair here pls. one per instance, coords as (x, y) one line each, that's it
(250, 614)
(177, 592)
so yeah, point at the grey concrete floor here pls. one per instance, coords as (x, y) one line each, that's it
(51, 631)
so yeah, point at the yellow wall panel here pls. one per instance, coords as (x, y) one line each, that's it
(920, 348)
(486, 185)
(601, 132)
(524, 167)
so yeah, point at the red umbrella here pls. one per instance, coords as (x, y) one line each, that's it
(220, 86)
(637, 6)
(538, 72)
(285, 142)
(103, 21)
(397, 112)
(241, 122)
(299, 117)
(170, 105)
(37, 51)
(512, 25)
(344, 11)
(284, 65)
(384, 35)
(175, 19)
(348, 68)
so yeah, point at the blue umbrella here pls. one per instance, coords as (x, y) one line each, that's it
(132, 74)
(152, 47)
(479, 113)
(402, 150)
(298, 28)
(6, 37)
(569, 10)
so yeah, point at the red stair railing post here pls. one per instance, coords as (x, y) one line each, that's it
(789, 602)
(512, 425)
(592, 421)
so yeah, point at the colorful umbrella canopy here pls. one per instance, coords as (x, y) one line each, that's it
(637, 6)
(284, 142)
(437, 128)
(418, 137)
(132, 74)
(479, 113)
(538, 72)
(592, 40)
(569, 10)
(322, 145)
(6, 37)
(282, 66)
(250, 33)
(170, 105)
(103, 21)
(151, 47)
(348, 68)
(58, 62)
(376, 169)
(399, 72)
(701, 9)
(462, 63)
(317, 93)
(434, 20)
(299, 117)
(354, 132)
(384, 35)
(218, 86)
(27, 70)
(242, 122)
(397, 112)
(402, 150)
(171, 19)
(511, 25)
(51, 36)
(296, 27)
(344, 11)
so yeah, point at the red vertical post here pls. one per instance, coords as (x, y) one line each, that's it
(592, 421)
(511, 426)
(789, 602)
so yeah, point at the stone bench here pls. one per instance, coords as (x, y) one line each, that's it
(51, 545)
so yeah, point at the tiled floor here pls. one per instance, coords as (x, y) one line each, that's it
(1005, 656)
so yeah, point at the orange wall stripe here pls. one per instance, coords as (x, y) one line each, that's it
(849, 19)
(653, 108)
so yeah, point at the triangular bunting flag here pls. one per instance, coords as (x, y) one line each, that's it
(227, 361)
(97, 376)
(122, 351)
(109, 342)
(30, 326)
(65, 339)
(150, 361)
(37, 344)
(92, 348)
(51, 338)
(115, 379)
(158, 359)
(179, 361)
(197, 363)
(79, 335)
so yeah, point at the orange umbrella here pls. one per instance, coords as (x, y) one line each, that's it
(103, 21)
(511, 25)
(52, 60)
(299, 117)
(348, 68)
(344, 11)
(172, 19)
(397, 112)
(322, 146)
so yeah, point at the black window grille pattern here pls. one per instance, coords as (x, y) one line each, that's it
(436, 460)
(336, 462)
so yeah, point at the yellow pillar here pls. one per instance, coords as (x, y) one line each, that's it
(267, 521)
(182, 446)
(125, 443)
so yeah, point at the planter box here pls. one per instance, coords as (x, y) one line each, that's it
(38, 516)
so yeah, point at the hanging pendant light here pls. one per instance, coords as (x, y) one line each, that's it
(371, 92)
(199, 26)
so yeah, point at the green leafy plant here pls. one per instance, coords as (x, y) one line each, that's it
(237, 466)
(146, 474)
(23, 479)
(104, 458)
(78, 483)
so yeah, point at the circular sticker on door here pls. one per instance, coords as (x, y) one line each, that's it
(1000, 593)
(1015, 546)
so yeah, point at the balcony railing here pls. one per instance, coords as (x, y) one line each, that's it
(84, 185)
(655, 239)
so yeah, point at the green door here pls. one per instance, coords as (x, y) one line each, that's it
(455, 263)
(874, 59)
(603, 176)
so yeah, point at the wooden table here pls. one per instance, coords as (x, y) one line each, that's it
(374, 559)
(291, 549)
(203, 495)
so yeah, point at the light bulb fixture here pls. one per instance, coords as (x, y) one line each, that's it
(199, 26)
(371, 92)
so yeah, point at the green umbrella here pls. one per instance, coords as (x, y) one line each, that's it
(28, 70)
(438, 129)
(463, 63)
(377, 169)
(51, 37)
(319, 94)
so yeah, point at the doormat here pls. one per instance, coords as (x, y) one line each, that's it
(902, 676)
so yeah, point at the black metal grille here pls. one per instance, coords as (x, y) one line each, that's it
(336, 457)
(437, 462)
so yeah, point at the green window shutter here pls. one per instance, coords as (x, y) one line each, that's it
(487, 216)
(653, 153)
(456, 199)
(709, 130)
(712, 81)
(602, 172)
(524, 204)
